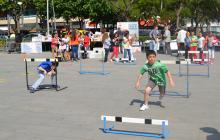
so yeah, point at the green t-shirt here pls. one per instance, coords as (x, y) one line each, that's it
(194, 38)
(156, 72)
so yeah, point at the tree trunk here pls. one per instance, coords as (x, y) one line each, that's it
(192, 25)
(17, 24)
(197, 29)
(178, 11)
(126, 12)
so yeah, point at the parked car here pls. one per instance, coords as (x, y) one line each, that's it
(28, 37)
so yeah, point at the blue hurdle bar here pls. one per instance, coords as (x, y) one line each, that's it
(102, 72)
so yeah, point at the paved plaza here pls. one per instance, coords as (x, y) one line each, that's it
(74, 112)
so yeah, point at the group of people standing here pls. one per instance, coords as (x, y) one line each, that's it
(117, 42)
(113, 43)
(186, 41)
(69, 42)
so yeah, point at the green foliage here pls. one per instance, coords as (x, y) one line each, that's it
(111, 11)
(2, 42)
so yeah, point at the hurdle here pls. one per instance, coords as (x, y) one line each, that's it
(39, 60)
(193, 64)
(186, 94)
(124, 61)
(102, 72)
(162, 123)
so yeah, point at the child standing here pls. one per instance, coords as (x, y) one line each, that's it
(156, 72)
(201, 45)
(45, 68)
(54, 44)
(106, 45)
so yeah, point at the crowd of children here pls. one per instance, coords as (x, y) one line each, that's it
(201, 42)
(67, 45)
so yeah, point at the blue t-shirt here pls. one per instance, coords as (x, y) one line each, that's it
(46, 66)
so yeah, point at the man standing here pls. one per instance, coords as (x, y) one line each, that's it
(154, 44)
(167, 40)
(181, 40)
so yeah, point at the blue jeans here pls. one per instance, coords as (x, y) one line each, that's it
(41, 79)
(211, 52)
(74, 51)
(106, 54)
(153, 45)
(129, 53)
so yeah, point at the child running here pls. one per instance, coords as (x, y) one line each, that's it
(156, 71)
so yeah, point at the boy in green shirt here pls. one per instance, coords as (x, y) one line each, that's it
(156, 72)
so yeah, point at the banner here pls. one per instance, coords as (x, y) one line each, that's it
(132, 27)
(173, 45)
(31, 47)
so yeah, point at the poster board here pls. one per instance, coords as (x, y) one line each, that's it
(132, 27)
(173, 45)
(31, 47)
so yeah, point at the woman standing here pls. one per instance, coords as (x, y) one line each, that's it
(212, 41)
(74, 43)
(187, 44)
(54, 44)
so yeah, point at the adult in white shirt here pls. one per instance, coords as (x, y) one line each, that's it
(181, 39)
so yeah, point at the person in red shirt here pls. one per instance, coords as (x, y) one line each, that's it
(115, 47)
(86, 44)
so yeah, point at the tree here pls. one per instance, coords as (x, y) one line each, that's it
(203, 12)
(99, 10)
(15, 9)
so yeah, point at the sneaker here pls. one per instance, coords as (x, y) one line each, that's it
(144, 107)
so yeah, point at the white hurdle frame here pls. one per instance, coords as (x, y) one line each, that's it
(39, 60)
(162, 123)
(196, 60)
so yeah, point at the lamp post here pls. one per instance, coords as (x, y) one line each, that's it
(22, 15)
(48, 30)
